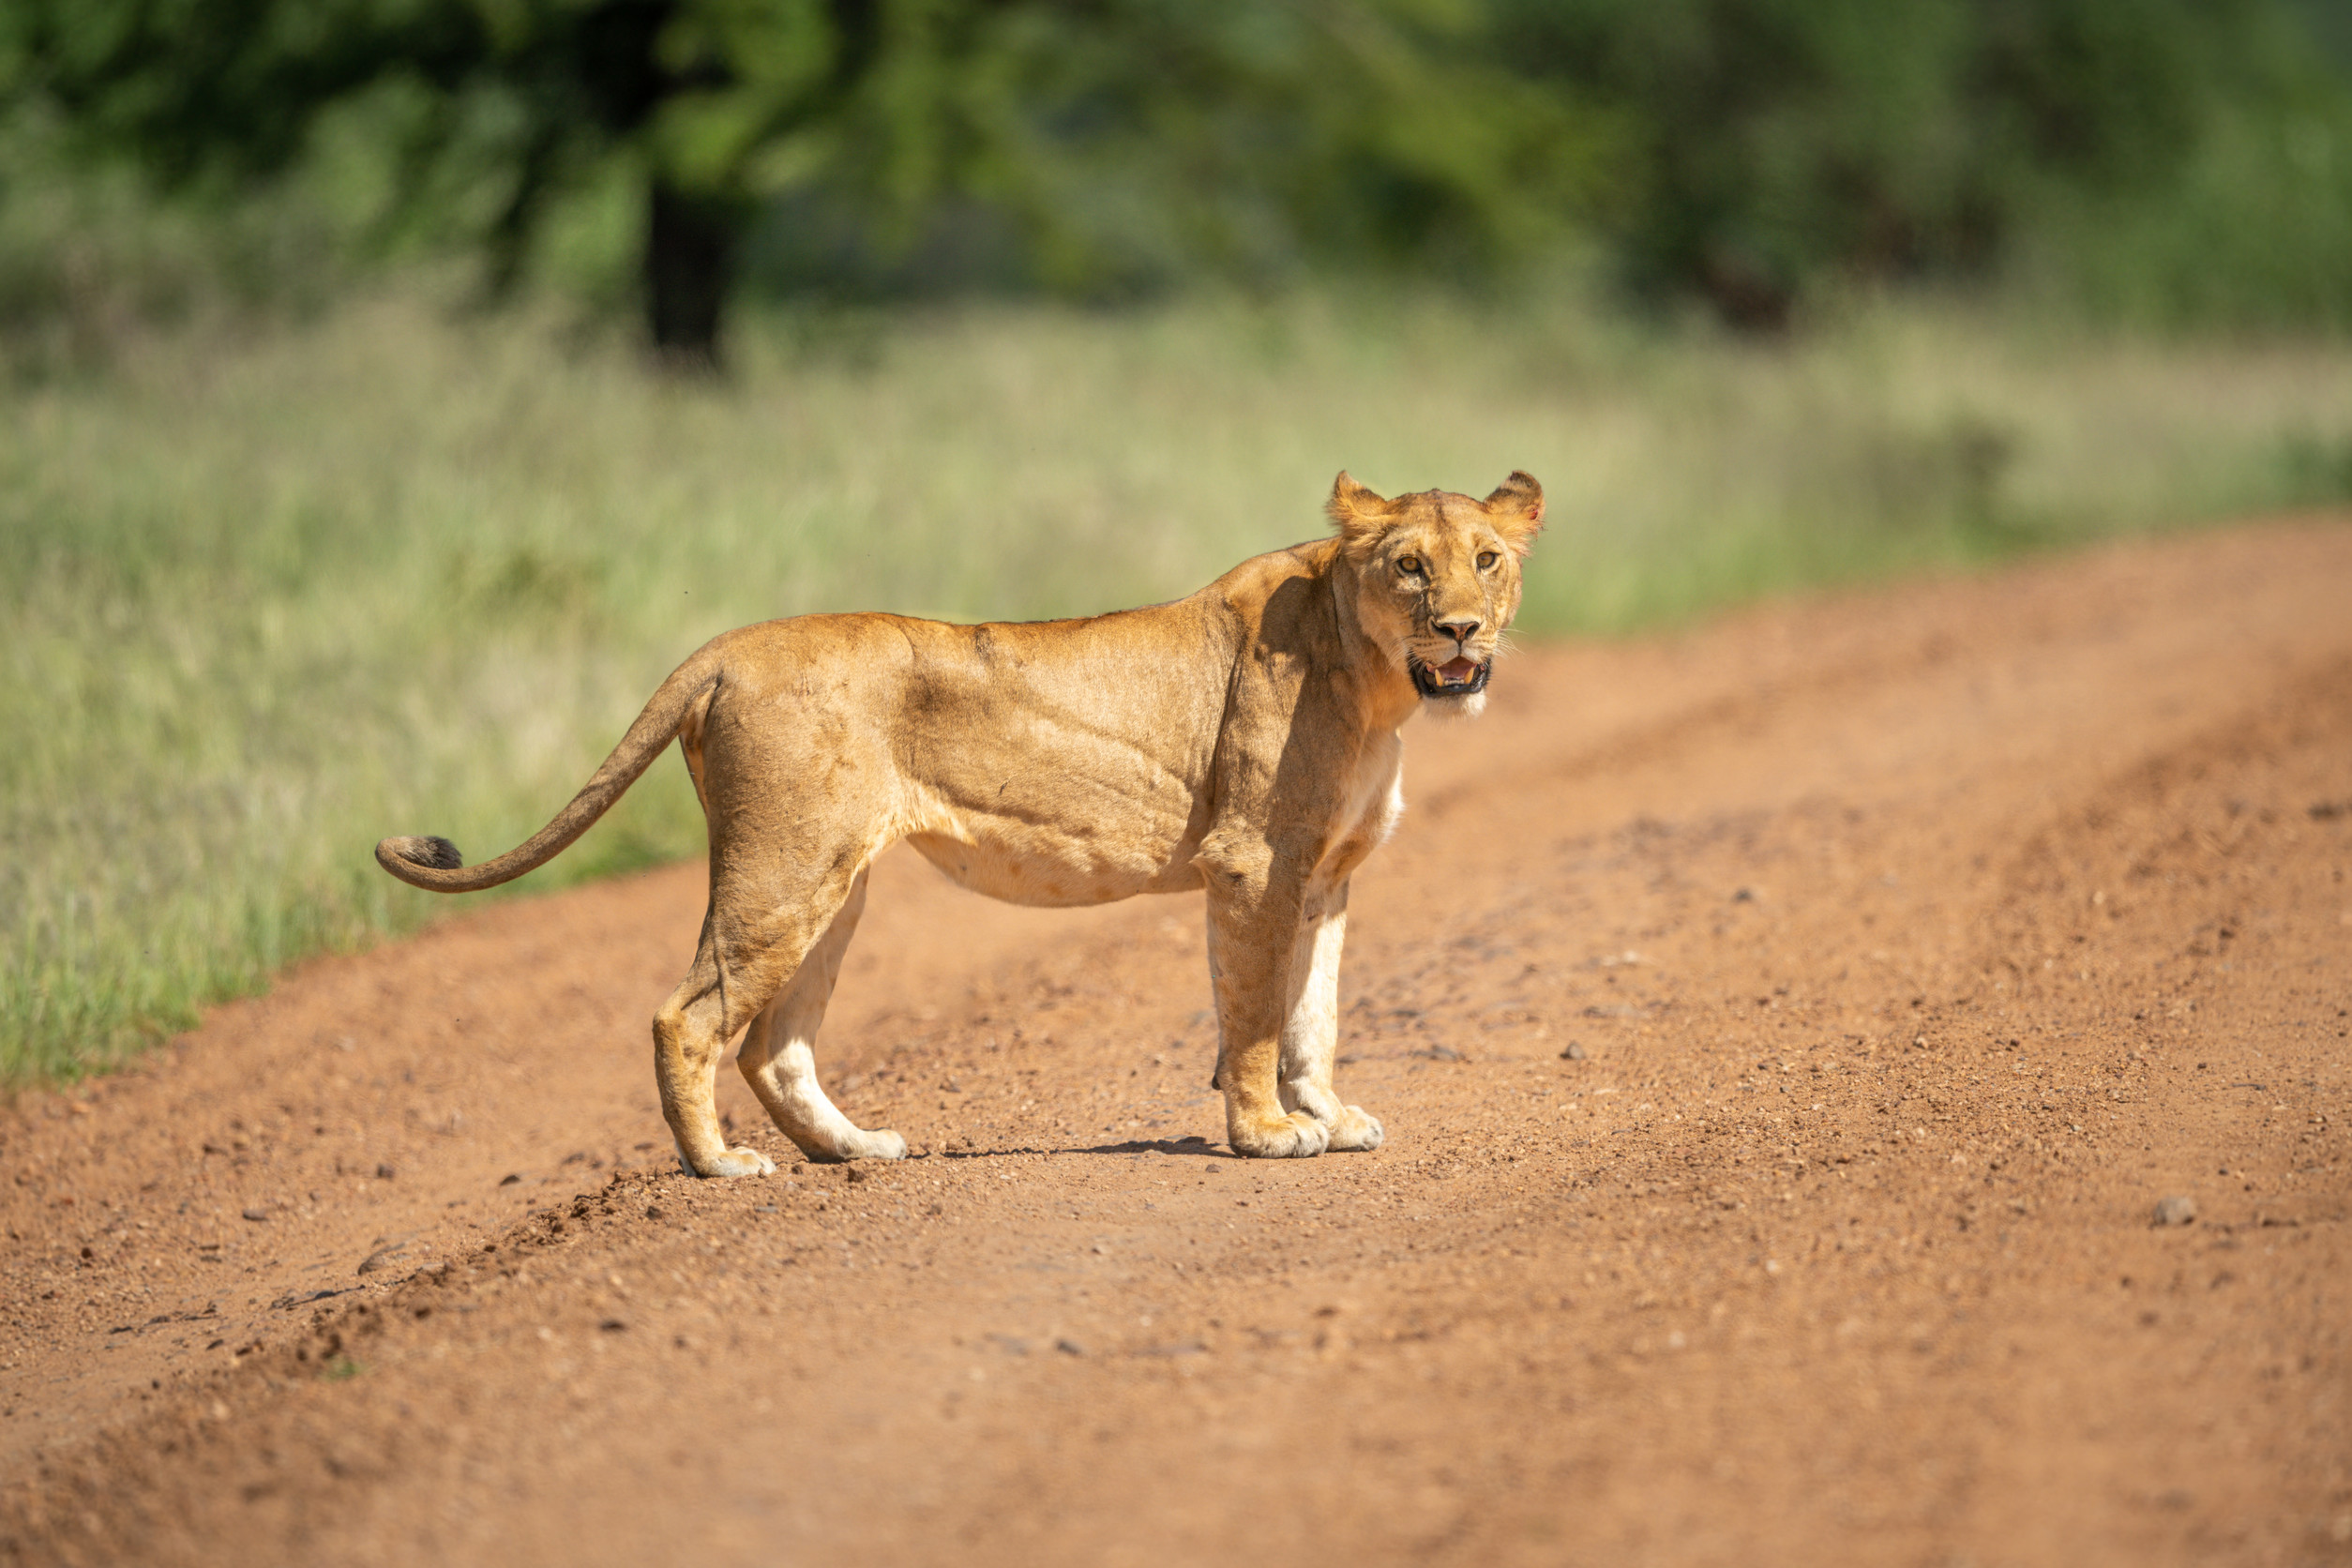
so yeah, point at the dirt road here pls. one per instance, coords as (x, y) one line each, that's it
(1784, 1031)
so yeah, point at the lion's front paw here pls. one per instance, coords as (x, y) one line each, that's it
(739, 1161)
(1356, 1130)
(1295, 1136)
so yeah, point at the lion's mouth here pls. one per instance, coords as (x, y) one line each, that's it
(1456, 677)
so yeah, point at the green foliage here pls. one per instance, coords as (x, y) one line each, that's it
(2254, 232)
(1782, 145)
(1117, 141)
(267, 597)
(2167, 158)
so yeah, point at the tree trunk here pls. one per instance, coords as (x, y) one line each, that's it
(689, 263)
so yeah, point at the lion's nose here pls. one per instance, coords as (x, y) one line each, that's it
(1461, 631)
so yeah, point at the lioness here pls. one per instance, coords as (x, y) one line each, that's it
(1243, 741)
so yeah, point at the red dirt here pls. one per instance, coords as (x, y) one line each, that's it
(1917, 944)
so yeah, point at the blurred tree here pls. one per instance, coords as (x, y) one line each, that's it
(1240, 128)
(1777, 141)
(1744, 150)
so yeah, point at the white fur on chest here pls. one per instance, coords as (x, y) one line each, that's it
(1374, 800)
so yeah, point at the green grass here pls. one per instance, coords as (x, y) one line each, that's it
(264, 601)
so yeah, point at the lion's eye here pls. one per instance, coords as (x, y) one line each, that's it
(1486, 560)
(1409, 564)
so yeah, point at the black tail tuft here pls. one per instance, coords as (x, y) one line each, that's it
(433, 853)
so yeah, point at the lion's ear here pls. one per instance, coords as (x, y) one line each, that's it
(1516, 511)
(1361, 514)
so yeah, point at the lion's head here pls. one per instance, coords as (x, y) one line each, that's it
(1438, 579)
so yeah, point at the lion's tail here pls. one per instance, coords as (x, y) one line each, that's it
(435, 864)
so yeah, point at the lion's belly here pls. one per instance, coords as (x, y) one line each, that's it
(1027, 866)
(1142, 846)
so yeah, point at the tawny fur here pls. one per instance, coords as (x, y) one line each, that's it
(1243, 740)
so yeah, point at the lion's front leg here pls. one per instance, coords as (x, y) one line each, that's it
(1310, 1031)
(1250, 949)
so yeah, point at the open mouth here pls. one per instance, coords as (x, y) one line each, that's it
(1457, 677)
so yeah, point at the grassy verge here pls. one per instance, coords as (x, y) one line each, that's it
(262, 602)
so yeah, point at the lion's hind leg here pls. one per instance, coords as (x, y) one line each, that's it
(752, 949)
(690, 1034)
(778, 1061)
